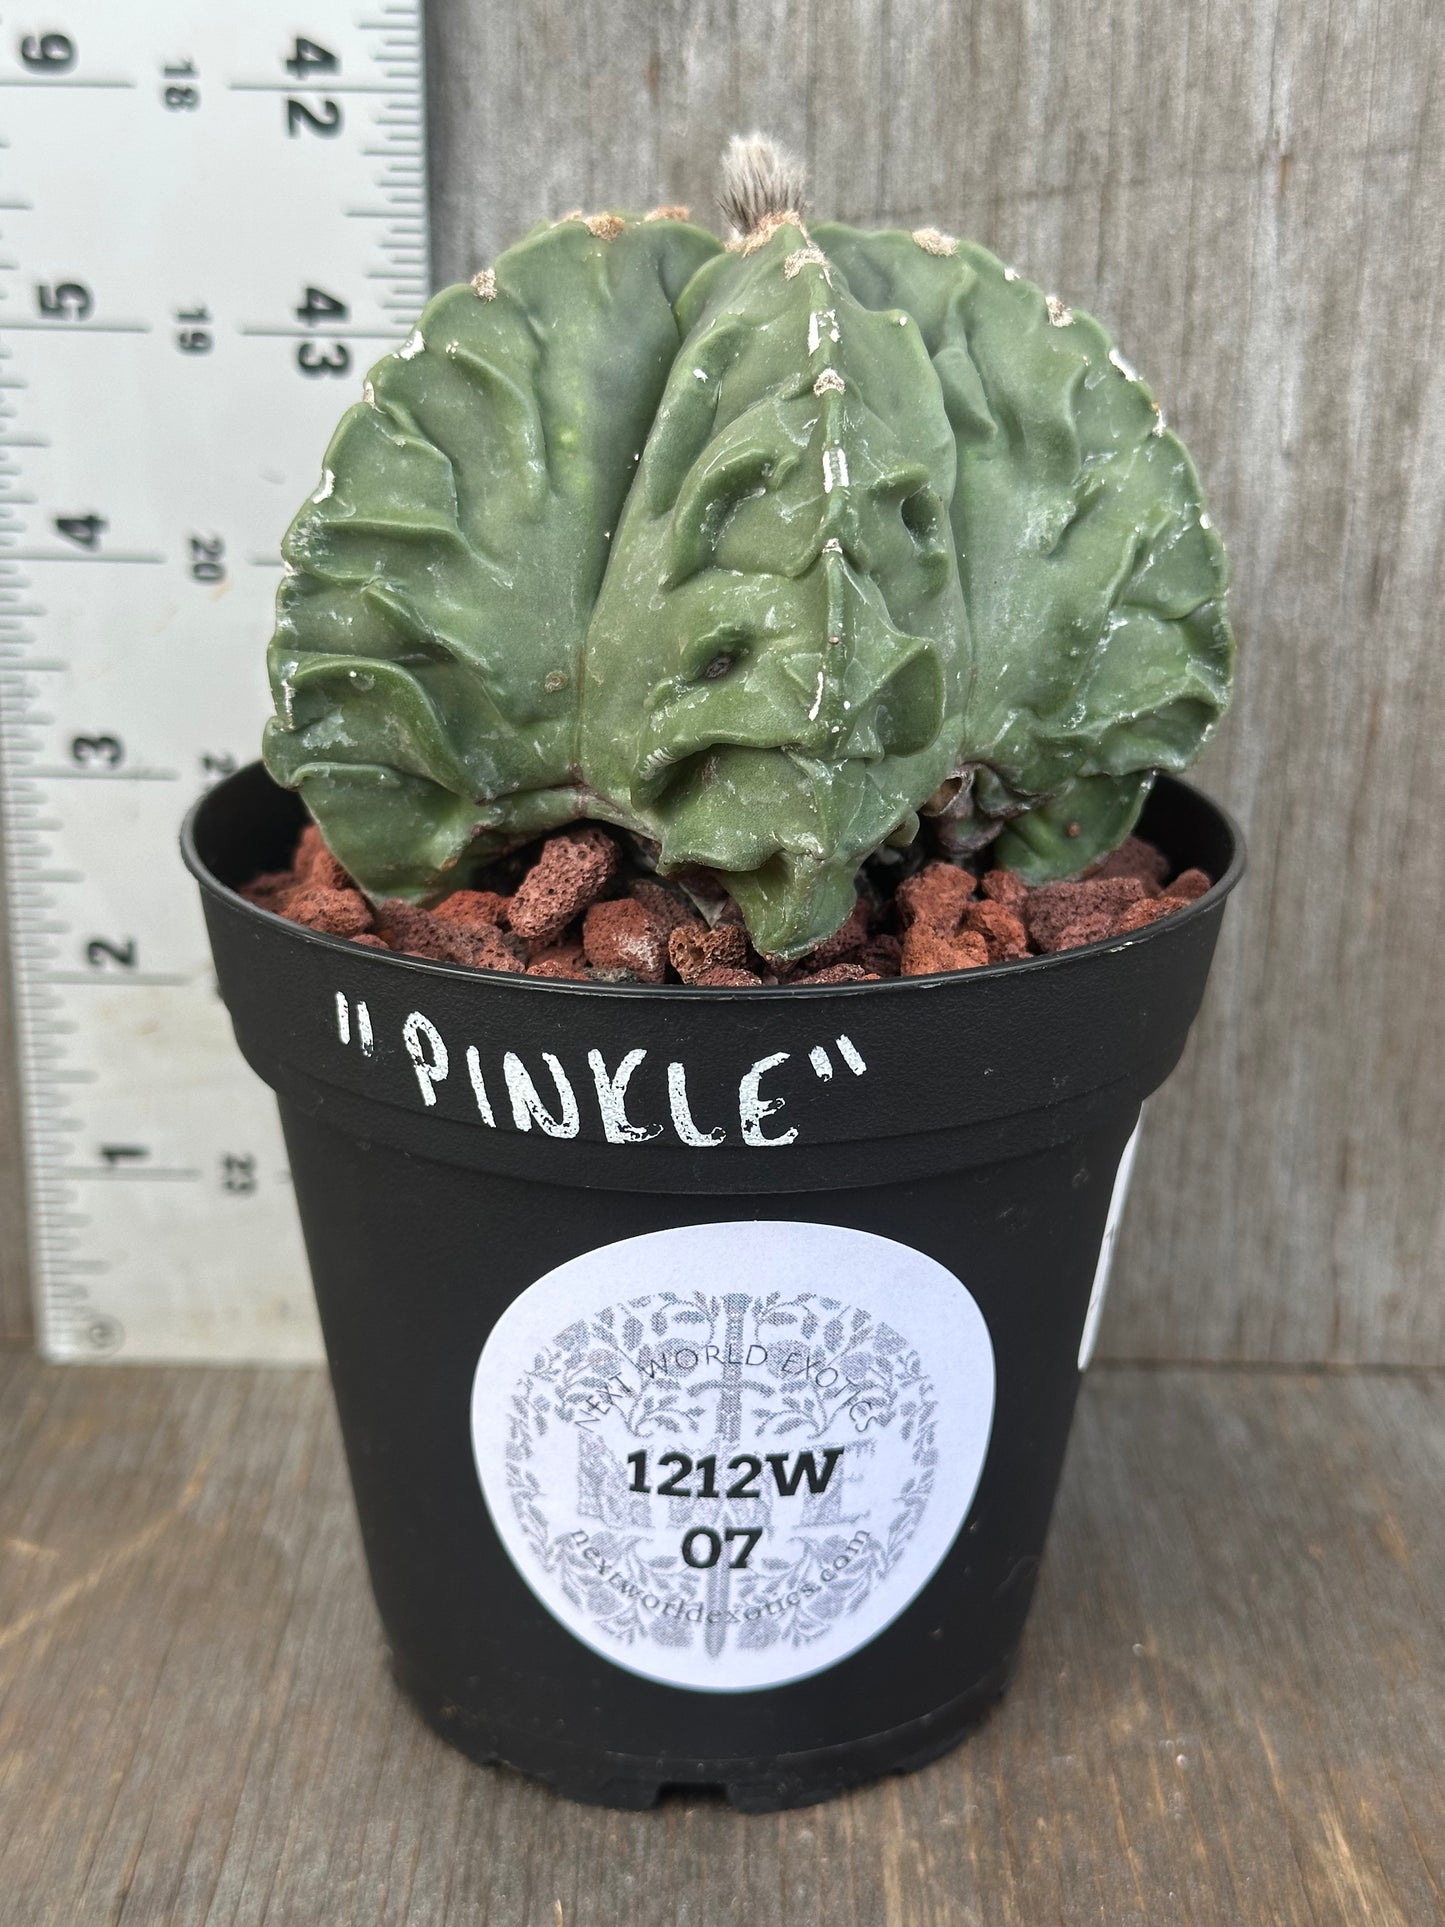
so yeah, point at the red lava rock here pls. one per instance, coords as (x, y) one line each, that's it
(1000, 929)
(421, 933)
(1138, 916)
(623, 934)
(925, 951)
(570, 930)
(308, 847)
(1133, 858)
(338, 913)
(559, 966)
(315, 865)
(840, 973)
(671, 908)
(1054, 906)
(565, 950)
(1092, 927)
(703, 892)
(485, 948)
(270, 891)
(778, 970)
(693, 951)
(474, 909)
(883, 955)
(934, 898)
(1005, 887)
(406, 926)
(843, 945)
(571, 873)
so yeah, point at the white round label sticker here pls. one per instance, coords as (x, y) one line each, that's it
(726, 1456)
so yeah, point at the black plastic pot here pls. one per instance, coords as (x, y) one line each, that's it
(705, 1359)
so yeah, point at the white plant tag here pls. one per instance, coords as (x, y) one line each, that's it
(726, 1456)
(1089, 1336)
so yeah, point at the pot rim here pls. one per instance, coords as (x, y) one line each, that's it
(724, 994)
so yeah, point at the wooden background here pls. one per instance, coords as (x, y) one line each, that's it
(1252, 198)
(1230, 1710)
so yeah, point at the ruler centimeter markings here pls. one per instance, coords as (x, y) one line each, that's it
(211, 222)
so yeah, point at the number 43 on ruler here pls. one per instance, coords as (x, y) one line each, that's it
(213, 220)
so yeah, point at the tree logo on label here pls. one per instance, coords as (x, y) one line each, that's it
(726, 1456)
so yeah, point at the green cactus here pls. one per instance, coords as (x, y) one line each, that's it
(776, 668)
(1093, 577)
(440, 581)
(756, 553)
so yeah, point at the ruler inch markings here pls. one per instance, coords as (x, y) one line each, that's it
(183, 262)
(300, 87)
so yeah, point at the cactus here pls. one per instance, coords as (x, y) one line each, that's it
(776, 669)
(757, 553)
(440, 581)
(1093, 578)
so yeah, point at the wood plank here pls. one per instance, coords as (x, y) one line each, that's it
(1231, 1708)
(1253, 197)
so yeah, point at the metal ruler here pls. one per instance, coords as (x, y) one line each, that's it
(212, 219)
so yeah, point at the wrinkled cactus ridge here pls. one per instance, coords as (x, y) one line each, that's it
(775, 672)
(1093, 577)
(757, 553)
(440, 582)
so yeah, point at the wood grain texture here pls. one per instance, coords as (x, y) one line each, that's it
(1253, 198)
(1230, 1713)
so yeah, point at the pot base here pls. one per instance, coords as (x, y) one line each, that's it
(768, 1784)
